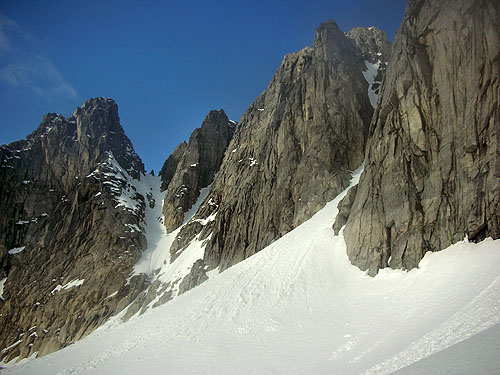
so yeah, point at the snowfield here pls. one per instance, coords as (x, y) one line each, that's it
(300, 307)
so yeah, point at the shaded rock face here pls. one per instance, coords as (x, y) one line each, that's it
(375, 49)
(170, 166)
(372, 43)
(67, 239)
(432, 161)
(292, 152)
(192, 166)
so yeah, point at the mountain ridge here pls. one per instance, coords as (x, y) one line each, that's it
(95, 126)
(86, 234)
(68, 215)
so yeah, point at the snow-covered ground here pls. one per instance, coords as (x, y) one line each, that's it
(156, 260)
(475, 355)
(370, 74)
(300, 307)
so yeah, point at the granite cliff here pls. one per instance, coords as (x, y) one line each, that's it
(432, 159)
(85, 234)
(70, 229)
(292, 151)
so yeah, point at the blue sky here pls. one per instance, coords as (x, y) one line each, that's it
(165, 63)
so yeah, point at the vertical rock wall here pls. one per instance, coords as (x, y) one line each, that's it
(193, 166)
(292, 152)
(432, 159)
(67, 242)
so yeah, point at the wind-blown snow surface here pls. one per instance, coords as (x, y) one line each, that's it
(300, 307)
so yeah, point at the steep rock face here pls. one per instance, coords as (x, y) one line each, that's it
(192, 166)
(70, 229)
(292, 152)
(372, 42)
(376, 51)
(185, 179)
(170, 166)
(432, 161)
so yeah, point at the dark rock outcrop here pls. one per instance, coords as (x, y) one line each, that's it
(69, 236)
(192, 166)
(292, 152)
(432, 162)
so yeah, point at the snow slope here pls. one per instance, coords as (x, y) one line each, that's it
(476, 355)
(300, 307)
(156, 259)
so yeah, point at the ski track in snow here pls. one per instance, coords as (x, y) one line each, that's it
(300, 307)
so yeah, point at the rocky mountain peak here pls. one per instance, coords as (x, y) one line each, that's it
(216, 119)
(291, 153)
(330, 43)
(98, 128)
(192, 166)
(97, 116)
(328, 32)
(72, 218)
(106, 104)
(372, 42)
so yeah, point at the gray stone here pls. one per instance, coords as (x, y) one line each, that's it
(170, 165)
(196, 276)
(58, 201)
(292, 152)
(344, 208)
(432, 161)
(196, 164)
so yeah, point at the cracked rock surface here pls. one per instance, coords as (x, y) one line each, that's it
(432, 160)
(67, 246)
(292, 152)
(192, 166)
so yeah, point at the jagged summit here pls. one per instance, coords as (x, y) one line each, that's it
(70, 228)
(108, 117)
(372, 42)
(193, 166)
(330, 43)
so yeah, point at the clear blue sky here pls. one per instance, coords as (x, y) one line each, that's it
(166, 63)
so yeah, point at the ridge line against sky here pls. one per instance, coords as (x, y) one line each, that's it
(165, 64)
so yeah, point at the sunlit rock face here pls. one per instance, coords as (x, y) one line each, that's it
(292, 151)
(432, 161)
(193, 165)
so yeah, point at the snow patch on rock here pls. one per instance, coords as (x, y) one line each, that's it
(370, 73)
